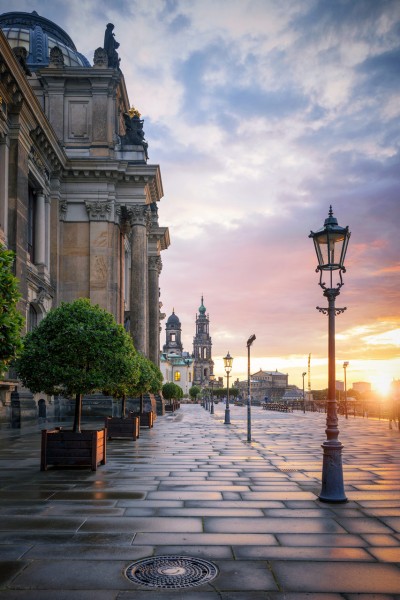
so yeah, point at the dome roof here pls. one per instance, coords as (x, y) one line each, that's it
(38, 36)
(173, 320)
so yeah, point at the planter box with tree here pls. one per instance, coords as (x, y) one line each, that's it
(77, 349)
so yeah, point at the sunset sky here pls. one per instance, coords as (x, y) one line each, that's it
(261, 114)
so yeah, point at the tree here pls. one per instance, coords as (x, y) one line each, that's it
(126, 377)
(150, 379)
(171, 390)
(11, 321)
(77, 349)
(194, 391)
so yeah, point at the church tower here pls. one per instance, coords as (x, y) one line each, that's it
(203, 363)
(173, 343)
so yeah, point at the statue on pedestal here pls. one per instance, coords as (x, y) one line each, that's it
(134, 134)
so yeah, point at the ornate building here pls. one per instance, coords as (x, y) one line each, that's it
(175, 364)
(202, 344)
(78, 198)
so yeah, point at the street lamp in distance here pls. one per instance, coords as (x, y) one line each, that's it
(304, 398)
(330, 243)
(212, 382)
(345, 365)
(249, 343)
(228, 368)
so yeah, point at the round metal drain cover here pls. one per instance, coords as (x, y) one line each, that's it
(171, 572)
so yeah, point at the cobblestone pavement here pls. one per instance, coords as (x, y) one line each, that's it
(193, 486)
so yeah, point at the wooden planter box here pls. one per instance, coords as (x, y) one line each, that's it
(146, 419)
(122, 428)
(65, 448)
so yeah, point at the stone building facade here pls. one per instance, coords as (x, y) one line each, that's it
(264, 384)
(78, 197)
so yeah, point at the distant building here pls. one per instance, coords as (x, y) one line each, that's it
(202, 344)
(175, 364)
(265, 384)
(361, 386)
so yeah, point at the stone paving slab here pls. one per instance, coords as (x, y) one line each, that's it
(192, 486)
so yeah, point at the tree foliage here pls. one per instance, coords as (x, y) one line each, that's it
(194, 391)
(171, 391)
(77, 349)
(11, 321)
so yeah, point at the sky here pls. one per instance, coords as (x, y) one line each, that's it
(262, 114)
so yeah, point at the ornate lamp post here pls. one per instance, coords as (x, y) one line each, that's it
(331, 245)
(304, 398)
(228, 367)
(212, 381)
(345, 365)
(249, 343)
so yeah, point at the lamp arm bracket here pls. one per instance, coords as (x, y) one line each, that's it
(325, 311)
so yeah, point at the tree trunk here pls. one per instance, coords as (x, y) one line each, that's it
(123, 406)
(78, 412)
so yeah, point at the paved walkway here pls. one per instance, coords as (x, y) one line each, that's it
(193, 486)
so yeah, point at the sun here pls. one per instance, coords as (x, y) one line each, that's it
(381, 384)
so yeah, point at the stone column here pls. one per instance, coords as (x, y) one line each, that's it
(40, 229)
(47, 217)
(4, 158)
(139, 322)
(155, 266)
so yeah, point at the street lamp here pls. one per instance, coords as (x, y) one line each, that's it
(249, 343)
(228, 367)
(330, 244)
(212, 381)
(304, 399)
(345, 365)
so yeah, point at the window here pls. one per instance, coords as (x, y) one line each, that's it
(190, 378)
(172, 337)
(177, 376)
(32, 318)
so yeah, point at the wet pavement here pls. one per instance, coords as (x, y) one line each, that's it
(194, 487)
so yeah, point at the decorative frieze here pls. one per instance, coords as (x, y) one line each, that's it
(98, 210)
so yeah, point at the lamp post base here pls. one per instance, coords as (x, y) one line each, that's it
(332, 473)
(227, 417)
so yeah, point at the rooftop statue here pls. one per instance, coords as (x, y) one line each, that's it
(110, 46)
(134, 134)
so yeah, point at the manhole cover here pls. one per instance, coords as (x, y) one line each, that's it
(171, 572)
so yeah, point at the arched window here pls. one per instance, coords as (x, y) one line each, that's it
(32, 318)
(177, 376)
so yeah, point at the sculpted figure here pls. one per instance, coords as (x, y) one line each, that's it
(56, 57)
(110, 46)
(100, 58)
(134, 134)
(22, 54)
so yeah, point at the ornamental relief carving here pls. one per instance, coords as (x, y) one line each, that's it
(63, 209)
(134, 214)
(155, 263)
(97, 210)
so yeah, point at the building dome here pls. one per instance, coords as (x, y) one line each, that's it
(173, 320)
(38, 36)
